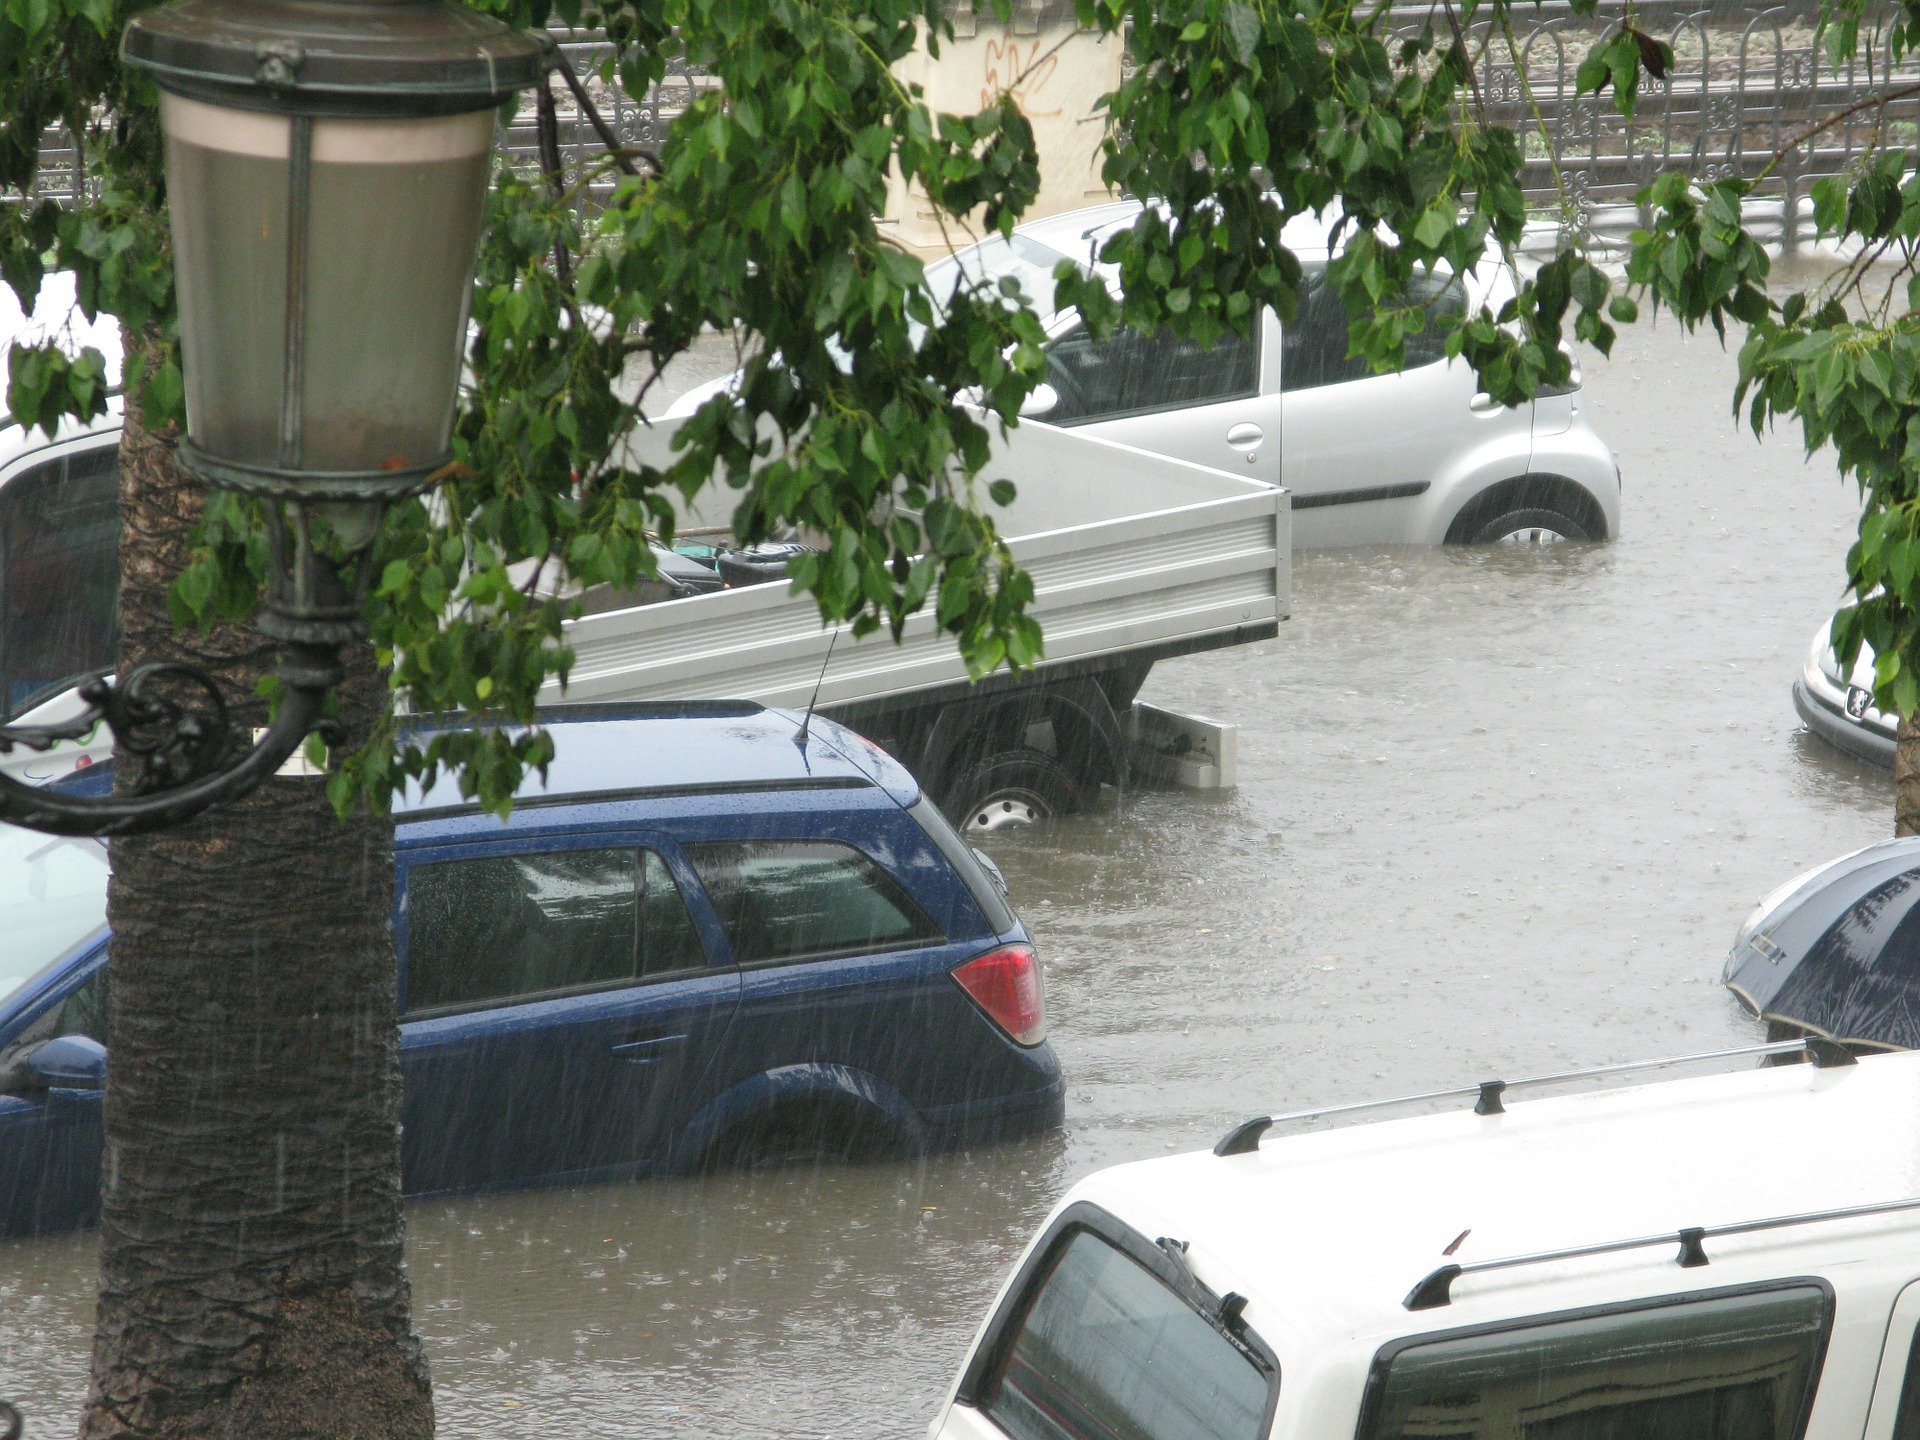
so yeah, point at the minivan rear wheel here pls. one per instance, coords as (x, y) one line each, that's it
(1534, 525)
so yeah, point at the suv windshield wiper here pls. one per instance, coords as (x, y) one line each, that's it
(1225, 1313)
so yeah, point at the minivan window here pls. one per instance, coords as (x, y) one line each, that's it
(1728, 1367)
(1313, 350)
(1129, 373)
(1106, 1351)
(1021, 258)
(786, 899)
(59, 575)
(497, 928)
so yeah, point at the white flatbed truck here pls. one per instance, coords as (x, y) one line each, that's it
(1135, 557)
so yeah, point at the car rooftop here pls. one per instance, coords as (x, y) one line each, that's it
(683, 747)
(55, 316)
(1074, 231)
(1335, 1228)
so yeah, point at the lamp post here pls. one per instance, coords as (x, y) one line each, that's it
(327, 162)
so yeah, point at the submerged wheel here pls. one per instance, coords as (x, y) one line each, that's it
(1533, 525)
(1011, 788)
(802, 1134)
(1530, 510)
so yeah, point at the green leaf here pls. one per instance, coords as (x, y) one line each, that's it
(1243, 32)
(1434, 225)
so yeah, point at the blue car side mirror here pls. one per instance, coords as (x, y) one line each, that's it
(69, 1062)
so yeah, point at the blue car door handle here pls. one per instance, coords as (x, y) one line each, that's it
(645, 1049)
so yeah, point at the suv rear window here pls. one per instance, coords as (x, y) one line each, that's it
(792, 899)
(1728, 1367)
(1106, 1351)
(984, 887)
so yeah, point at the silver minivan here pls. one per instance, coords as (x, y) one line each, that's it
(1417, 457)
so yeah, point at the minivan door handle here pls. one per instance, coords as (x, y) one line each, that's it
(1484, 404)
(1245, 435)
(642, 1048)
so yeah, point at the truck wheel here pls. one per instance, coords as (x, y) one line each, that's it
(1013, 787)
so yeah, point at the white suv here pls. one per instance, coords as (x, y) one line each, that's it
(1723, 1257)
(59, 546)
(1418, 457)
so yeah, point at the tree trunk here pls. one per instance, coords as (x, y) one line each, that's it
(1906, 778)
(251, 1275)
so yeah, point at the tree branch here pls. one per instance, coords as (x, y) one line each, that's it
(623, 155)
(550, 163)
(1903, 93)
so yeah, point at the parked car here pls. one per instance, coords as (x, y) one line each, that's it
(59, 534)
(1835, 951)
(708, 939)
(1839, 707)
(1418, 457)
(1723, 1257)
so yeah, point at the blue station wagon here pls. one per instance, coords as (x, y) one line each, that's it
(712, 937)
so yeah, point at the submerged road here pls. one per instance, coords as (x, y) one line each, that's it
(1499, 812)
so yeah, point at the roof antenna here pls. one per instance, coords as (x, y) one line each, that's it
(800, 735)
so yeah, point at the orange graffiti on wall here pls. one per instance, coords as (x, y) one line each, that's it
(1009, 65)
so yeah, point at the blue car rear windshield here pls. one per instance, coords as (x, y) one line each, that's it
(54, 897)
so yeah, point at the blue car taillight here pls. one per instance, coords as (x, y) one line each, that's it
(1006, 984)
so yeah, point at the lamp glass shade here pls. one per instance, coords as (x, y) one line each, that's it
(379, 287)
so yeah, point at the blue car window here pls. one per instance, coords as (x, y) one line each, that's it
(501, 927)
(84, 1012)
(983, 887)
(668, 940)
(789, 899)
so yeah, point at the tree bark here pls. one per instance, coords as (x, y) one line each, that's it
(1906, 778)
(252, 1282)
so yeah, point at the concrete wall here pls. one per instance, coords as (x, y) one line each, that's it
(1057, 73)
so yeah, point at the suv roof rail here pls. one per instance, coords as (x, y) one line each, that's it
(1437, 1289)
(1244, 1138)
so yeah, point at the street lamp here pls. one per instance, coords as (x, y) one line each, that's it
(327, 162)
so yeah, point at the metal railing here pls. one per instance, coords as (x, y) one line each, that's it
(1743, 97)
(1746, 88)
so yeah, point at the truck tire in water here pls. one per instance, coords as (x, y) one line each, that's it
(1012, 787)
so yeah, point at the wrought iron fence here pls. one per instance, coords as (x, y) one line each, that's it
(636, 125)
(1743, 97)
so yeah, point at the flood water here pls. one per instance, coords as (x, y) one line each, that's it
(1498, 812)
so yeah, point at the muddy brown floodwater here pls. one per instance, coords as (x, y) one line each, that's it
(1498, 812)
